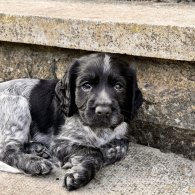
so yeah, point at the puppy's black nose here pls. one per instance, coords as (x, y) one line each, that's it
(103, 110)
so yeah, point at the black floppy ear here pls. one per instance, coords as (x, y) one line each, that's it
(65, 91)
(134, 98)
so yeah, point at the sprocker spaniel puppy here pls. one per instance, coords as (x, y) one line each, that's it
(80, 121)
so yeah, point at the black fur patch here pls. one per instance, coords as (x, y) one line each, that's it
(44, 111)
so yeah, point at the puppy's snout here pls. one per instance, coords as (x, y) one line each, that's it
(103, 111)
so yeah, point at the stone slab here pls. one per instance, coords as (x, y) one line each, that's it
(150, 30)
(145, 171)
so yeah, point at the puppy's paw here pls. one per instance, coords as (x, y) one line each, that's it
(114, 150)
(38, 149)
(72, 162)
(121, 148)
(82, 170)
(76, 177)
(111, 153)
(37, 166)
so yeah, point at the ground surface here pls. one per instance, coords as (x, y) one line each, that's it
(145, 171)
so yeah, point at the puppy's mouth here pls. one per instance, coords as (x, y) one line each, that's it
(92, 120)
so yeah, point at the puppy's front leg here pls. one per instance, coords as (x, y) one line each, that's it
(81, 162)
(115, 150)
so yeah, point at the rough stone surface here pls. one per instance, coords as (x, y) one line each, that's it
(144, 171)
(150, 30)
(166, 138)
(169, 92)
(21, 61)
(167, 118)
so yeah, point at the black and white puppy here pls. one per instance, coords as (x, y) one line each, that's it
(80, 120)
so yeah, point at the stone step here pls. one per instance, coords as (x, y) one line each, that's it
(149, 30)
(145, 171)
(39, 39)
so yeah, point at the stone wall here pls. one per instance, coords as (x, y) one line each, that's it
(167, 118)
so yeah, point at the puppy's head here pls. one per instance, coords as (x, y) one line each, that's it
(102, 89)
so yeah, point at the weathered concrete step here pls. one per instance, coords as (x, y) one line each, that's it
(145, 171)
(150, 30)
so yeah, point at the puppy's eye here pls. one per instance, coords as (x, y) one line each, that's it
(86, 86)
(118, 87)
